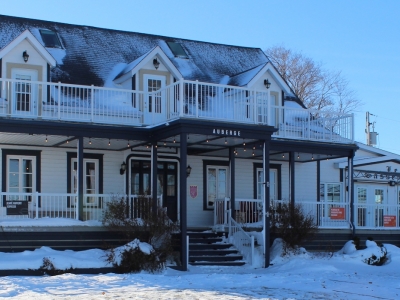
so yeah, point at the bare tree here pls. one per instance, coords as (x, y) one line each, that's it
(316, 87)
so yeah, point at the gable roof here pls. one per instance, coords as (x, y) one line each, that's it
(27, 35)
(91, 53)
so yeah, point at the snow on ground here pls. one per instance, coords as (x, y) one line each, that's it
(340, 275)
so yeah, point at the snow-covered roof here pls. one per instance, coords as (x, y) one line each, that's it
(90, 53)
(245, 77)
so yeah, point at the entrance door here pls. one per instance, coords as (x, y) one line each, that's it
(155, 103)
(140, 183)
(24, 92)
(373, 202)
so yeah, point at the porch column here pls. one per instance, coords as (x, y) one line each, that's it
(80, 178)
(292, 183)
(232, 179)
(154, 177)
(318, 191)
(183, 200)
(350, 184)
(318, 181)
(266, 204)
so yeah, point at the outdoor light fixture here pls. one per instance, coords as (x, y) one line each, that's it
(267, 83)
(25, 55)
(188, 170)
(156, 63)
(123, 168)
(392, 183)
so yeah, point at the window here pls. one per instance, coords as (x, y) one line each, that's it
(90, 179)
(50, 38)
(361, 209)
(379, 196)
(177, 50)
(21, 175)
(273, 184)
(331, 192)
(274, 181)
(217, 184)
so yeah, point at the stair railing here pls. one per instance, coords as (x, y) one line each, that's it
(241, 239)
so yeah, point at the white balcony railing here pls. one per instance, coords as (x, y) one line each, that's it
(65, 205)
(183, 99)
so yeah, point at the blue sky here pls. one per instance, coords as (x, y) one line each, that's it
(359, 37)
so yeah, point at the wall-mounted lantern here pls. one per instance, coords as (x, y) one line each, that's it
(188, 170)
(123, 168)
(156, 63)
(25, 56)
(267, 83)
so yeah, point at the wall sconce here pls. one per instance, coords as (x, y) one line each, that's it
(188, 170)
(25, 55)
(156, 63)
(123, 168)
(392, 183)
(267, 83)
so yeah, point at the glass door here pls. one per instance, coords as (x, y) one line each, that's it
(24, 94)
(154, 103)
(140, 184)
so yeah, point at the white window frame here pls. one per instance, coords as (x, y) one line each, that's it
(88, 201)
(273, 188)
(20, 174)
(216, 196)
(324, 198)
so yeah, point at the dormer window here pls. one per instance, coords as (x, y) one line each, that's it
(177, 50)
(50, 39)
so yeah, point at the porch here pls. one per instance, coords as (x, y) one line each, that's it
(184, 99)
(326, 215)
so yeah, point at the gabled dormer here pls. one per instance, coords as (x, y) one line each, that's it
(26, 55)
(150, 71)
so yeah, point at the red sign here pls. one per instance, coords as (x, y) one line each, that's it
(337, 213)
(389, 221)
(193, 191)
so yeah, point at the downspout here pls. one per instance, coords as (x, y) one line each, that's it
(351, 192)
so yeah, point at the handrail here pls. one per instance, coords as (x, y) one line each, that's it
(241, 240)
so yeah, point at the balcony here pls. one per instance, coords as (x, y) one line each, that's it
(183, 99)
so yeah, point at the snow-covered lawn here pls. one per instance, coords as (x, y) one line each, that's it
(302, 276)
